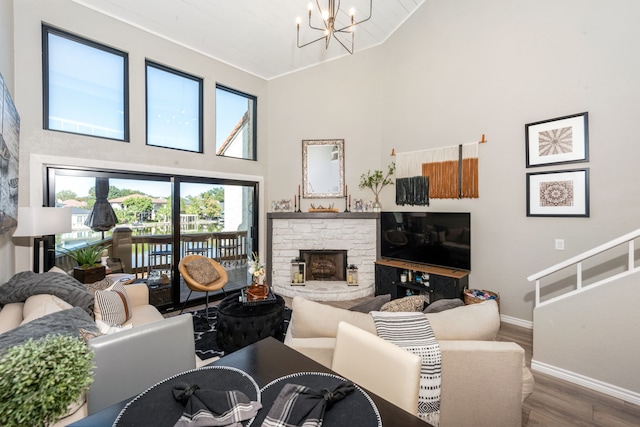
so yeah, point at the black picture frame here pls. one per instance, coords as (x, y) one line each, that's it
(563, 193)
(557, 141)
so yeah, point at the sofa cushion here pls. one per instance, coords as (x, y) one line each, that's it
(112, 305)
(469, 322)
(10, 316)
(38, 305)
(310, 319)
(201, 270)
(372, 304)
(106, 329)
(100, 285)
(443, 304)
(411, 303)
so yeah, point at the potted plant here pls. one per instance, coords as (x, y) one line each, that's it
(40, 379)
(376, 181)
(89, 269)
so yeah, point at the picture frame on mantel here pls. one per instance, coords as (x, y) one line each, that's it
(558, 193)
(556, 141)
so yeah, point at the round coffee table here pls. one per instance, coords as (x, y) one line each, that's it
(239, 325)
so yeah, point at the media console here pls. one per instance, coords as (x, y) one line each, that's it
(434, 282)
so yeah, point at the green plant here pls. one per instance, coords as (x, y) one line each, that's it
(376, 181)
(40, 379)
(86, 256)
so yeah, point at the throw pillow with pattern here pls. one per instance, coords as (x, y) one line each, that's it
(412, 303)
(112, 305)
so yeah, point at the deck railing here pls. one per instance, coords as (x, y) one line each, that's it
(141, 254)
(577, 261)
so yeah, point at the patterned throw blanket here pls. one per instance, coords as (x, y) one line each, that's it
(412, 332)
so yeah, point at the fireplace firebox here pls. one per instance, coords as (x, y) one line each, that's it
(325, 264)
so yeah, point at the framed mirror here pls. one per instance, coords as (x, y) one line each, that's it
(322, 168)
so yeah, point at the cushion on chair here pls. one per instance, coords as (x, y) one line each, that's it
(202, 271)
(112, 305)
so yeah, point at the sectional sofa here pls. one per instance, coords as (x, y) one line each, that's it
(484, 381)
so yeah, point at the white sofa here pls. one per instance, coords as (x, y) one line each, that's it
(484, 381)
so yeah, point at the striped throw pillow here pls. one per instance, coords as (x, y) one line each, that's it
(112, 305)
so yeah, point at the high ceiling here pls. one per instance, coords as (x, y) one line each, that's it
(257, 36)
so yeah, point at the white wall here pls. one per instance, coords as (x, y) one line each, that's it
(460, 69)
(79, 150)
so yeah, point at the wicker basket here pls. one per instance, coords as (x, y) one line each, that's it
(470, 299)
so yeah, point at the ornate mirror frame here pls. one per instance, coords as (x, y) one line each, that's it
(323, 168)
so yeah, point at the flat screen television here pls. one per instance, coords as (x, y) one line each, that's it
(434, 238)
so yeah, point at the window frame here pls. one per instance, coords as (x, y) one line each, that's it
(254, 122)
(48, 29)
(149, 63)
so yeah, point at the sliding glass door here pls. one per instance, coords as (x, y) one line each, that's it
(156, 220)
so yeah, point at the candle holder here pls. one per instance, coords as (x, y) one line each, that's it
(346, 204)
(299, 204)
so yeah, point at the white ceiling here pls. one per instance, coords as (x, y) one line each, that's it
(257, 36)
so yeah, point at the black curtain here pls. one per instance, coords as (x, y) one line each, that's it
(102, 217)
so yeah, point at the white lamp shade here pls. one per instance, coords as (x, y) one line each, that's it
(41, 221)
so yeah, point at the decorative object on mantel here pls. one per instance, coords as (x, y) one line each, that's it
(331, 26)
(323, 169)
(281, 205)
(440, 173)
(322, 208)
(376, 181)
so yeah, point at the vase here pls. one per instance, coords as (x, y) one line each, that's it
(377, 207)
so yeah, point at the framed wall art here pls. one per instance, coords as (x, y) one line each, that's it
(558, 193)
(560, 140)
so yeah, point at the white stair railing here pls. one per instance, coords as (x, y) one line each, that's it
(577, 262)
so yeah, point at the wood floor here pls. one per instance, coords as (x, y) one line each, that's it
(556, 403)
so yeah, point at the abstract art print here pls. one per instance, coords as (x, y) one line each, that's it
(558, 193)
(560, 140)
(9, 137)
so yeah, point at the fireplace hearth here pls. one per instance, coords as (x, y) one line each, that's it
(325, 264)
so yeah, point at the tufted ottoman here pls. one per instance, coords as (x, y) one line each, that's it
(239, 325)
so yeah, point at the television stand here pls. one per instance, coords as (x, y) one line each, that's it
(434, 282)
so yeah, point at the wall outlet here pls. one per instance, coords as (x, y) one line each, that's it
(560, 244)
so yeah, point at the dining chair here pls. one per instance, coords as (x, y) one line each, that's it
(381, 367)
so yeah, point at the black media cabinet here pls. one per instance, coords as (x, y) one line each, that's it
(438, 283)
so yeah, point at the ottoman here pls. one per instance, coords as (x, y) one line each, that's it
(239, 325)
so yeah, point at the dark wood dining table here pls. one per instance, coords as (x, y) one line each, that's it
(265, 361)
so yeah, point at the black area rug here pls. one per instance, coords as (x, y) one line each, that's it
(205, 332)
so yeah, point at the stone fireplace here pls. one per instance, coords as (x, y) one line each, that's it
(350, 238)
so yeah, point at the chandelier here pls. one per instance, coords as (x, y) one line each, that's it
(328, 17)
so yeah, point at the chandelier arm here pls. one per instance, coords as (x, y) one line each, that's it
(359, 22)
(311, 42)
(343, 45)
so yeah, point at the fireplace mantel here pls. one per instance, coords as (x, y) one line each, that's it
(289, 232)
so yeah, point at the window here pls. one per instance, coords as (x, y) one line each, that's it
(174, 109)
(85, 86)
(235, 124)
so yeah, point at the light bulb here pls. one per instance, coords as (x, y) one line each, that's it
(352, 12)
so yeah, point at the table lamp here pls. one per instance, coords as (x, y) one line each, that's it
(43, 223)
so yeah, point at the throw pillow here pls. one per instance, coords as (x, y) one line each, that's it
(202, 271)
(412, 303)
(37, 306)
(443, 304)
(100, 285)
(372, 305)
(112, 305)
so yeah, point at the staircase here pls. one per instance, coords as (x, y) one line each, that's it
(587, 320)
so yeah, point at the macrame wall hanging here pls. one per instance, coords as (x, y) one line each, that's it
(439, 173)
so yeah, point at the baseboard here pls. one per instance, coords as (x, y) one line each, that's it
(590, 383)
(517, 322)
